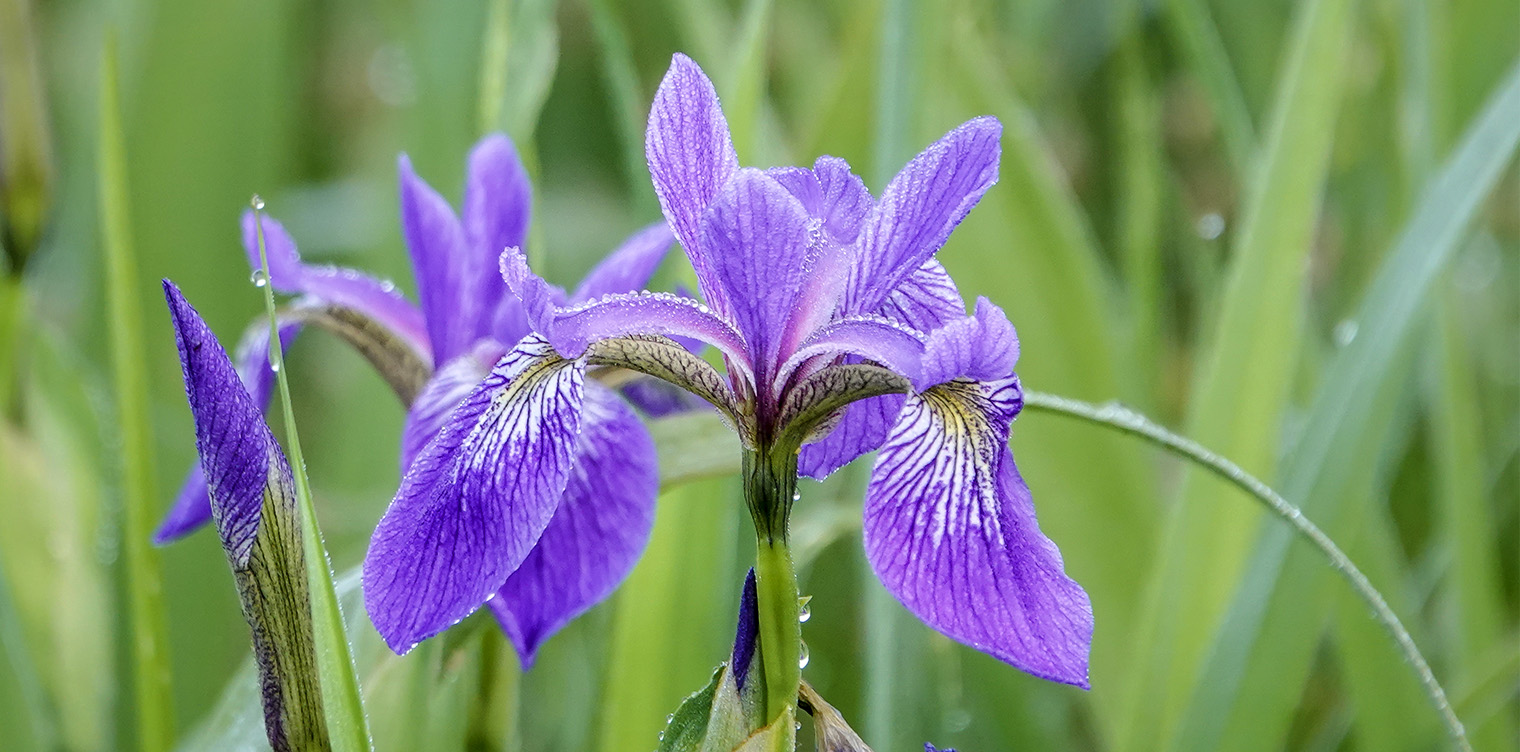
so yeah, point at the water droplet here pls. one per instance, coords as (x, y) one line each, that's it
(259, 278)
(797, 496)
(802, 656)
(274, 367)
(1210, 226)
(804, 613)
(1344, 332)
(256, 202)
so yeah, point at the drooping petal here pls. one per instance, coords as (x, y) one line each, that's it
(443, 392)
(982, 347)
(477, 498)
(374, 298)
(762, 251)
(440, 252)
(950, 530)
(629, 267)
(572, 330)
(691, 157)
(919, 208)
(596, 535)
(192, 506)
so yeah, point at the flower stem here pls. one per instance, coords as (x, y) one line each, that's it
(769, 487)
(1115, 415)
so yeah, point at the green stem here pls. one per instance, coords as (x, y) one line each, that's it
(12, 312)
(769, 487)
(1114, 415)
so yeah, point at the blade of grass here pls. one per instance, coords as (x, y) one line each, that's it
(1140, 178)
(746, 90)
(145, 606)
(1276, 617)
(346, 723)
(1194, 32)
(1474, 596)
(1116, 416)
(30, 715)
(628, 100)
(1243, 384)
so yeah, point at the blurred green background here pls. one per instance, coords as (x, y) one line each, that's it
(1291, 230)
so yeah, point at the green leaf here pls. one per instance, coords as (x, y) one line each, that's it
(628, 99)
(344, 709)
(1196, 36)
(746, 90)
(1242, 389)
(686, 731)
(1277, 615)
(139, 489)
(520, 54)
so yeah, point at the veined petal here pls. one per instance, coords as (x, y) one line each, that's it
(374, 298)
(192, 507)
(629, 267)
(444, 391)
(926, 300)
(950, 530)
(871, 337)
(498, 201)
(596, 535)
(982, 347)
(237, 450)
(440, 252)
(919, 208)
(691, 157)
(572, 330)
(477, 498)
(832, 194)
(762, 250)
(862, 428)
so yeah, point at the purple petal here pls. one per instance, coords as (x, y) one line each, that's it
(498, 201)
(377, 299)
(657, 399)
(862, 429)
(833, 195)
(982, 347)
(746, 632)
(882, 340)
(691, 157)
(444, 391)
(950, 530)
(926, 300)
(919, 208)
(759, 238)
(441, 262)
(477, 498)
(572, 330)
(629, 267)
(192, 507)
(597, 534)
(239, 455)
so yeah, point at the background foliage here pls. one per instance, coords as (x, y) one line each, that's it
(1245, 219)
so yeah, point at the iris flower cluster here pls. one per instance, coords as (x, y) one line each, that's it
(529, 484)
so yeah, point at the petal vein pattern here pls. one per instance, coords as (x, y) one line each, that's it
(477, 498)
(950, 530)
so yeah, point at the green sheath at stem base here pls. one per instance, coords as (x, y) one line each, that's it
(770, 484)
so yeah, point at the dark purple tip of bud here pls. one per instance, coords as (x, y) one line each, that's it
(746, 633)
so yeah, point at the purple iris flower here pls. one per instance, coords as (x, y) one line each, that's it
(840, 334)
(604, 510)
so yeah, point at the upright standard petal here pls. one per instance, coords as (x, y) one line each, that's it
(476, 500)
(498, 202)
(833, 195)
(596, 535)
(192, 507)
(950, 530)
(629, 267)
(919, 208)
(981, 347)
(691, 157)
(440, 253)
(374, 298)
(762, 251)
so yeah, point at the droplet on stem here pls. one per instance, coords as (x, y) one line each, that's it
(259, 278)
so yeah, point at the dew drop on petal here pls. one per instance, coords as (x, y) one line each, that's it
(259, 278)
